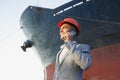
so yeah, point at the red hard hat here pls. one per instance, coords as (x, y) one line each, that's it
(71, 21)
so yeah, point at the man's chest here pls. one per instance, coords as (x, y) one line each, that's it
(63, 54)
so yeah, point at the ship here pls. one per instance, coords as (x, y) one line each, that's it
(100, 28)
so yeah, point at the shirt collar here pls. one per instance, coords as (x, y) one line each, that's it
(62, 46)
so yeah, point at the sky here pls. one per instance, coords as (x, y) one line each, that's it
(14, 63)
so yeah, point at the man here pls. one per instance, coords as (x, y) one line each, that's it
(73, 58)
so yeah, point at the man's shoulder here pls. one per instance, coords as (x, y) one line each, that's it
(84, 47)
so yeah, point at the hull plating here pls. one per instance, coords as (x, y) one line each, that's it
(100, 27)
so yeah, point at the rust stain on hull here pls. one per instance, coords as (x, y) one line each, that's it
(106, 64)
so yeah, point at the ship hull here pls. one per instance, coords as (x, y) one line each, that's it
(100, 27)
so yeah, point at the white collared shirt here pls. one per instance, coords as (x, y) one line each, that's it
(63, 53)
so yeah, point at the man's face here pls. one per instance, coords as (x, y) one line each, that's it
(65, 28)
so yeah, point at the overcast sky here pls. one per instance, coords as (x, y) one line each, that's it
(14, 63)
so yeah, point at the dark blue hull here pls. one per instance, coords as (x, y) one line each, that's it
(99, 20)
